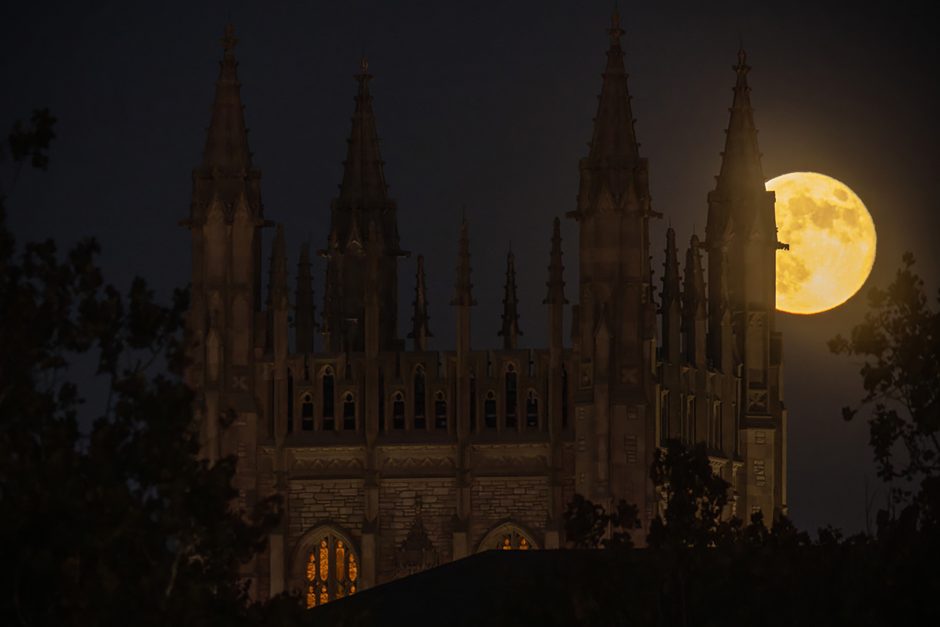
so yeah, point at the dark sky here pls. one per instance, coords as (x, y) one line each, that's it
(489, 105)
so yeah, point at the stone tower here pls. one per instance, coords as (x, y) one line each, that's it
(615, 335)
(741, 239)
(362, 250)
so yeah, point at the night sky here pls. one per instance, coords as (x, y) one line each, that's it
(489, 105)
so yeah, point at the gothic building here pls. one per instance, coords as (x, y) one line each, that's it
(392, 457)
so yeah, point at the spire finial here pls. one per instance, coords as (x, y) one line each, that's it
(363, 65)
(616, 32)
(229, 40)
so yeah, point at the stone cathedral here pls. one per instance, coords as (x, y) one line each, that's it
(392, 457)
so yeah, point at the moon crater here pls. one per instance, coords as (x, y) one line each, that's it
(832, 242)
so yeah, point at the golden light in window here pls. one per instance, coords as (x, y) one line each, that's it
(331, 570)
(311, 568)
(523, 544)
(324, 560)
(353, 569)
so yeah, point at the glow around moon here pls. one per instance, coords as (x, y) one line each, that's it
(832, 242)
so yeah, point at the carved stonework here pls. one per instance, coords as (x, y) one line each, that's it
(327, 461)
(756, 401)
(416, 553)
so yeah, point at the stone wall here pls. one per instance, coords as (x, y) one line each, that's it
(313, 501)
(523, 500)
(397, 501)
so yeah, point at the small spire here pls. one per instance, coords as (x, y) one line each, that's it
(463, 288)
(556, 280)
(420, 331)
(694, 283)
(306, 310)
(671, 308)
(277, 281)
(227, 138)
(510, 331)
(694, 303)
(741, 168)
(671, 274)
(363, 186)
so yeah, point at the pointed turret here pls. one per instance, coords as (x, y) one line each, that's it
(671, 301)
(420, 332)
(363, 219)
(306, 310)
(463, 288)
(556, 270)
(363, 174)
(614, 136)
(277, 280)
(693, 305)
(510, 330)
(741, 160)
(613, 174)
(227, 139)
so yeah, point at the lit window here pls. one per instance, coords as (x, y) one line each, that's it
(331, 571)
(507, 537)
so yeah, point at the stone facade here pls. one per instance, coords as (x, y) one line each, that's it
(391, 457)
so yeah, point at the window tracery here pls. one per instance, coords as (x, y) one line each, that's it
(331, 570)
(507, 537)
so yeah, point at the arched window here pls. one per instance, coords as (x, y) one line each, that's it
(420, 399)
(306, 412)
(531, 410)
(512, 403)
(331, 570)
(398, 411)
(489, 410)
(440, 411)
(349, 412)
(507, 537)
(329, 403)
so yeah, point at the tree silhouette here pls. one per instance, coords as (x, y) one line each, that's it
(118, 522)
(899, 340)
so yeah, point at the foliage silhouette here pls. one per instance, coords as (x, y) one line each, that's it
(121, 521)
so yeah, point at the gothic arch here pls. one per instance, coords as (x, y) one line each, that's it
(508, 535)
(325, 565)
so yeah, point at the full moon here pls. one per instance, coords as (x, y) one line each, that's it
(831, 237)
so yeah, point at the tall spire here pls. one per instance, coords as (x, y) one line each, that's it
(227, 139)
(306, 314)
(510, 330)
(363, 185)
(671, 274)
(420, 332)
(613, 175)
(693, 305)
(614, 137)
(741, 160)
(556, 270)
(671, 304)
(463, 288)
